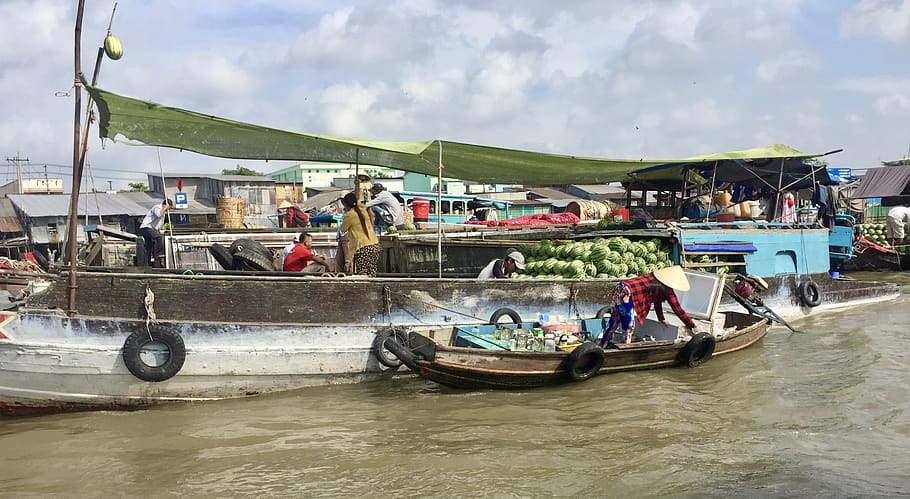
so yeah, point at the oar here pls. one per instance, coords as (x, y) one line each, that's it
(763, 311)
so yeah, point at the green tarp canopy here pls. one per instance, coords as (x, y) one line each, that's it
(158, 125)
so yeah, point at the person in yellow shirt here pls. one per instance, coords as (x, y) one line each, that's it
(358, 237)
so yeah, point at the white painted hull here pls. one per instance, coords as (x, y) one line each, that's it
(51, 363)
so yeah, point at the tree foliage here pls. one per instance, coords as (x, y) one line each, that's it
(241, 170)
(138, 187)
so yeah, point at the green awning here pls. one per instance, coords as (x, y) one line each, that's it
(157, 125)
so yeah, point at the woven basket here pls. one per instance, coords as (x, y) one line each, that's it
(229, 212)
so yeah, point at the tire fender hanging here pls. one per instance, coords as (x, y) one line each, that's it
(809, 294)
(585, 361)
(408, 358)
(139, 340)
(501, 312)
(698, 350)
(382, 354)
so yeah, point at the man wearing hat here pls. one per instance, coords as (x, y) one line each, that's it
(632, 300)
(294, 217)
(387, 210)
(503, 268)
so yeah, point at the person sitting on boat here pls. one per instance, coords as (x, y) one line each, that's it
(386, 209)
(150, 230)
(894, 224)
(301, 257)
(503, 268)
(654, 289)
(622, 315)
(294, 217)
(358, 237)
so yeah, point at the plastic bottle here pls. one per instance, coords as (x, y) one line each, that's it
(549, 343)
(512, 344)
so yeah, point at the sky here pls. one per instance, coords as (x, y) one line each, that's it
(602, 78)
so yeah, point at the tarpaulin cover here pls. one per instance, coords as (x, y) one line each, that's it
(536, 219)
(883, 182)
(725, 246)
(154, 124)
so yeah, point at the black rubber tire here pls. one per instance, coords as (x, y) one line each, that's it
(603, 312)
(222, 256)
(254, 260)
(132, 349)
(808, 294)
(499, 313)
(250, 245)
(585, 361)
(698, 350)
(408, 358)
(383, 355)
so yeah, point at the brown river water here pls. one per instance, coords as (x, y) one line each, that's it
(820, 413)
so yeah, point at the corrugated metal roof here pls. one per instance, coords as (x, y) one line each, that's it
(134, 204)
(547, 193)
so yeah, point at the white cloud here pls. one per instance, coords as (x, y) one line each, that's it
(791, 65)
(888, 19)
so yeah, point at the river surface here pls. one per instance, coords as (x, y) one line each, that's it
(820, 413)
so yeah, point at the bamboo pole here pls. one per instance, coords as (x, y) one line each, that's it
(77, 165)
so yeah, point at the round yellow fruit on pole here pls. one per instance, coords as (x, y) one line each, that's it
(112, 47)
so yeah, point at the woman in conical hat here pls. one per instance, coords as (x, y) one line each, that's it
(644, 291)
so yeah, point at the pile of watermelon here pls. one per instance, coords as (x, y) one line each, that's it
(875, 233)
(600, 258)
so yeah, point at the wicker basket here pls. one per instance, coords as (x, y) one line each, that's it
(229, 212)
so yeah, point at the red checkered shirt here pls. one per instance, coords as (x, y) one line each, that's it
(643, 296)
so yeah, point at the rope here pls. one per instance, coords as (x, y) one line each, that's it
(150, 317)
(573, 303)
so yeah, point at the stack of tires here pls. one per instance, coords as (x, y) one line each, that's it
(244, 254)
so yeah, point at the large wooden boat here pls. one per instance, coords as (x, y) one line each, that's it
(103, 339)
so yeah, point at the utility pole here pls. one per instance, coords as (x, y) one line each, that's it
(18, 162)
(110, 185)
(47, 185)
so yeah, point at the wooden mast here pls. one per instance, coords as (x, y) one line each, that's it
(77, 167)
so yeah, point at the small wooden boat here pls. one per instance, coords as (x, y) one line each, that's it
(486, 363)
(870, 256)
(484, 357)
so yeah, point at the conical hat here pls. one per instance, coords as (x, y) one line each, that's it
(673, 277)
(284, 204)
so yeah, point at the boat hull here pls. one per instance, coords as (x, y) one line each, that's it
(253, 334)
(52, 363)
(473, 368)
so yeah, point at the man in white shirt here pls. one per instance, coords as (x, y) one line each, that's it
(503, 268)
(150, 230)
(387, 210)
(894, 224)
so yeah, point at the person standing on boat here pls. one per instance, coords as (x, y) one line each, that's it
(503, 268)
(150, 230)
(358, 237)
(301, 257)
(386, 209)
(894, 224)
(651, 289)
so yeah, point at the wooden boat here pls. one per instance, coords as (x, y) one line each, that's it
(125, 339)
(435, 357)
(480, 357)
(870, 256)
